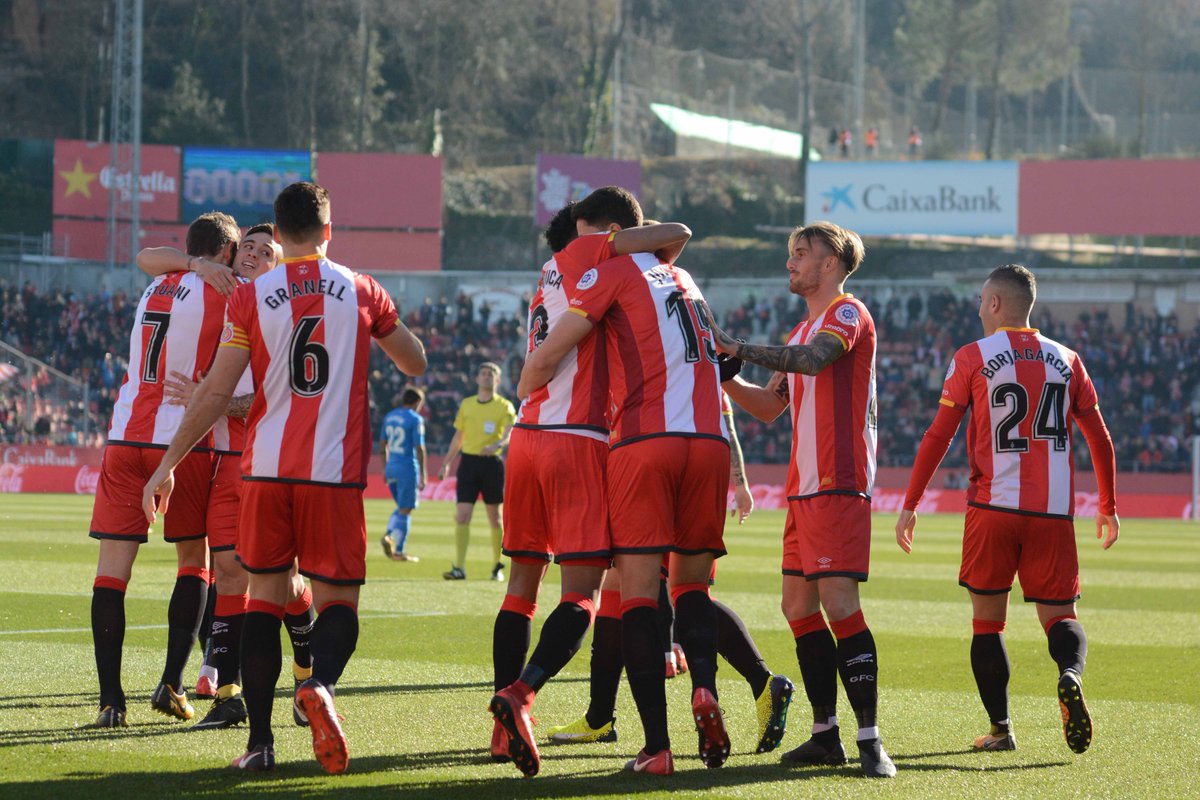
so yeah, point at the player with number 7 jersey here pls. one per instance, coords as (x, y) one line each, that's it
(177, 324)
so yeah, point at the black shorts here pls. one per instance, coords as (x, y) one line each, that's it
(480, 475)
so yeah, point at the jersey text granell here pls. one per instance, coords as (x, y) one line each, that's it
(298, 288)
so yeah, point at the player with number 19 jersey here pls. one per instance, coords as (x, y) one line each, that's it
(668, 472)
(662, 363)
(1023, 390)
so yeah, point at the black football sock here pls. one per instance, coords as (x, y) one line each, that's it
(816, 654)
(226, 638)
(642, 651)
(562, 635)
(858, 664)
(696, 629)
(262, 655)
(1068, 644)
(666, 619)
(300, 629)
(735, 646)
(210, 605)
(184, 614)
(510, 639)
(108, 637)
(334, 638)
(989, 663)
(606, 667)
(299, 617)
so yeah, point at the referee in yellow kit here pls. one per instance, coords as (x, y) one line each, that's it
(481, 431)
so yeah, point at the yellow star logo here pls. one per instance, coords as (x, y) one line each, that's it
(79, 180)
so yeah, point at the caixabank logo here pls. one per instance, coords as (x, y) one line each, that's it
(969, 198)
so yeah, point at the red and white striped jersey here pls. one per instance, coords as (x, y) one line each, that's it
(834, 411)
(576, 398)
(175, 329)
(1023, 391)
(229, 433)
(308, 325)
(662, 363)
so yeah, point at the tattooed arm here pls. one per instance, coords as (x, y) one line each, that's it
(240, 406)
(808, 359)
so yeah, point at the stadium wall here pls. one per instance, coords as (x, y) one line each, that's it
(26, 469)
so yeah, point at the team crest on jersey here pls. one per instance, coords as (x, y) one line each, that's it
(848, 314)
(950, 369)
(227, 333)
(302, 269)
(588, 280)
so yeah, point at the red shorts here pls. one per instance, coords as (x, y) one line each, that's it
(554, 500)
(667, 493)
(224, 502)
(323, 526)
(124, 470)
(998, 545)
(827, 535)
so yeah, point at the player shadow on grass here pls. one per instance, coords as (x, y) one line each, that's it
(605, 779)
(13, 701)
(980, 762)
(216, 781)
(84, 733)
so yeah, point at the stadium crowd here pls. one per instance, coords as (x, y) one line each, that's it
(1149, 387)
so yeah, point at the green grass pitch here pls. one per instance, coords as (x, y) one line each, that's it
(415, 694)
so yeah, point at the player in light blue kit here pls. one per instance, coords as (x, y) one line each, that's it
(402, 446)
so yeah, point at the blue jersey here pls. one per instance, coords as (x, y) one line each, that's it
(402, 433)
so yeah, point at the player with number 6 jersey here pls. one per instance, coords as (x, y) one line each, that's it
(305, 330)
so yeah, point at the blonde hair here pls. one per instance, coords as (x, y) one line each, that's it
(842, 242)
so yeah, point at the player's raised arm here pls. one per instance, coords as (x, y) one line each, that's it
(664, 239)
(541, 363)
(806, 359)
(155, 261)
